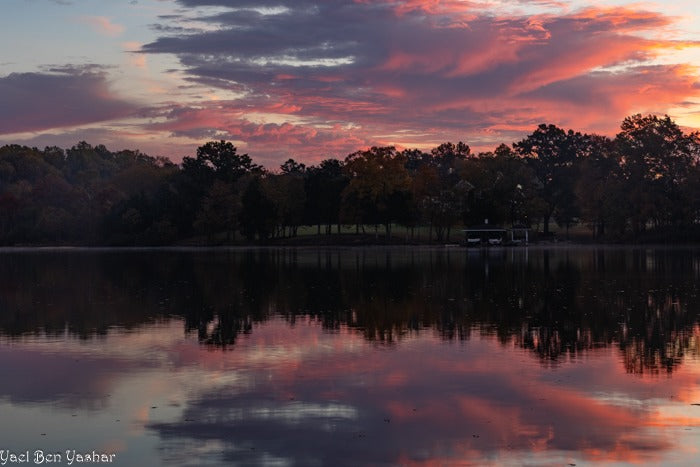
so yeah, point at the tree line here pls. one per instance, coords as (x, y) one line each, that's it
(643, 184)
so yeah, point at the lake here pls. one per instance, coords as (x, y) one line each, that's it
(380, 356)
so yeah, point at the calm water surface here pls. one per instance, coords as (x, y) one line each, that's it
(532, 356)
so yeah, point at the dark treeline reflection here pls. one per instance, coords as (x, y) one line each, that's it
(559, 303)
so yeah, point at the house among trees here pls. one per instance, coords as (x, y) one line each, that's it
(484, 234)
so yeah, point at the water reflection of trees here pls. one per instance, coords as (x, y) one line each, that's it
(557, 303)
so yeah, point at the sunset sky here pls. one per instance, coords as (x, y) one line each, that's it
(312, 79)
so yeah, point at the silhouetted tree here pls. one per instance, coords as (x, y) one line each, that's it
(324, 185)
(286, 191)
(220, 160)
(551, 153)
(502, 189)
(379, 183)
(601, 190)
(219, 211)
(258, 213)
(656, 157)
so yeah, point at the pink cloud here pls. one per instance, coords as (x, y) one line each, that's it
(103, 25)
(273, 139)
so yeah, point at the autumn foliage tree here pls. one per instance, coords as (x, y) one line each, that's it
(656, 159)
(552, 154)
(379, 185)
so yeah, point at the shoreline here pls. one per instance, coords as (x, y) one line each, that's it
(335, 247)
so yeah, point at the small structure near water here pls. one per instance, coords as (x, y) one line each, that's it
(493, 235)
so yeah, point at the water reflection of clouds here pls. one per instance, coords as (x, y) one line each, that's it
(287, 413)
(73, 380)
(321, 398)
(426, 401)
(326, 398)
(572, 372)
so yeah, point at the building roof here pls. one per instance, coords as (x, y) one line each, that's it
(484, 228)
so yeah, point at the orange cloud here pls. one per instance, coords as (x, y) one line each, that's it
(623, 18)
(433, 7)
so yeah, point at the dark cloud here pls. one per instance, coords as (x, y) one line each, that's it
(169, 29)
(61, 97)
